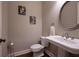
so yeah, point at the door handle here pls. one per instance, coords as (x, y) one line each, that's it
(2, 40)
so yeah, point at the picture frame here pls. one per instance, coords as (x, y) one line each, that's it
(21, 10)
(32, 20)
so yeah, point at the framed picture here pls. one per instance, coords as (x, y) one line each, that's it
(21, 10)
(32, 20)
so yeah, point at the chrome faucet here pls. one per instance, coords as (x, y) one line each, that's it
(66, 35)
(72, 38)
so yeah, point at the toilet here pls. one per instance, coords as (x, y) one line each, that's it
(38, 49)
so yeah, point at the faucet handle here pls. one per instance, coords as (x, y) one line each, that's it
(63, 35)
(72, 38)
(67, 35)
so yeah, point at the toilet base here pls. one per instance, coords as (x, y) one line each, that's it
(39, 53)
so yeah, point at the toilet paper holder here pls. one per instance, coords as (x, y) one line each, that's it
(2, 40)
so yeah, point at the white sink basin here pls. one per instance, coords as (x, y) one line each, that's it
(67, 44)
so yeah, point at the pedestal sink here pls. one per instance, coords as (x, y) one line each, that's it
(69, 44)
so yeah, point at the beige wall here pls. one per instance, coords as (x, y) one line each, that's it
(51, 15)
(21, 32)
(51, 12)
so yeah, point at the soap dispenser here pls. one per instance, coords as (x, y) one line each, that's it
(52, 29)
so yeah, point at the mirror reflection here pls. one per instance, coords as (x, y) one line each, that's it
(69, 15)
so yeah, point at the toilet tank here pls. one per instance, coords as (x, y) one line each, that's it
(44, 42)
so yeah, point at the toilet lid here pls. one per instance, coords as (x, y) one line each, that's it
(37, 46)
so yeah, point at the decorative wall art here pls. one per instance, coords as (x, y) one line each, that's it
(32, 20)
(21, 10)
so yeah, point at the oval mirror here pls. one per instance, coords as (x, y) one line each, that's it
(69, 17)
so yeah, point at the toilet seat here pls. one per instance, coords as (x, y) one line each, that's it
(36, 47)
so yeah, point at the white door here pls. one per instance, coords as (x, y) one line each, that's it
(3, 27)
(0, 27)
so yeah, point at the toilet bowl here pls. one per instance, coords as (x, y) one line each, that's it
(38, 49)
